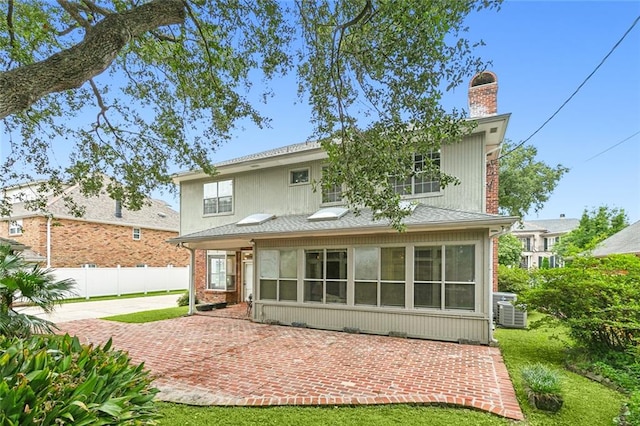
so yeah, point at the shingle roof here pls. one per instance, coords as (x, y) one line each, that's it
(624, 241)
(156, 215)
(349, 223)
(550, 226)
(13, 243)
(283, 150)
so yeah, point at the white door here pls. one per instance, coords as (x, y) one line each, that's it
(247, 279)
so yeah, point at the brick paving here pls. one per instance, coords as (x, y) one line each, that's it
(217, 360)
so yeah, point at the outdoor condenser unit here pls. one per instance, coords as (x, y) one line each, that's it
(501, 297)
(510, 316)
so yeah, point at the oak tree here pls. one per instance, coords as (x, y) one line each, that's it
(142, 89)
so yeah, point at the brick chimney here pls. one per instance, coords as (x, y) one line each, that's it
(483, 95)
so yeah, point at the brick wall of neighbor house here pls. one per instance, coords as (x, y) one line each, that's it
(74, 243)
(205, 295)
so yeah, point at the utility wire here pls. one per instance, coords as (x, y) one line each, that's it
(615, 46)
(612, 146)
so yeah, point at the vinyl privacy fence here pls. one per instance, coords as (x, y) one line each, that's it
(93, 282)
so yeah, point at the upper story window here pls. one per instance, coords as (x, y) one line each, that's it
(549, 242)
(137, 234)
(420, 181)
(218, 197)
(332, 194)
(15, 227)
(299, 177)
(526, 243)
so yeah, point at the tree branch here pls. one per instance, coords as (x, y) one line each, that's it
(70, 68)
(12, 37)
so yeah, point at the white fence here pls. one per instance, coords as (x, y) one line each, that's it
(92, 282)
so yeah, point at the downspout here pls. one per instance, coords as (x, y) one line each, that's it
(492, 235)
(49, 241)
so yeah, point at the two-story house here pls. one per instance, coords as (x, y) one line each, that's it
(538, 238)
(258, 228)
(107, 235)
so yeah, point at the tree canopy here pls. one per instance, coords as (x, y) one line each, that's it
(595, 226)
(525, 183)
(141, 89)
(509, 250)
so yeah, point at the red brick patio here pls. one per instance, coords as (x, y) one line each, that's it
(226, 361)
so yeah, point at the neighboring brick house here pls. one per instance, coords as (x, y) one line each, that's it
(319, 264)
(107, 235)
(538, 238)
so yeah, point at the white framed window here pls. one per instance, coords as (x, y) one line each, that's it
(279, 275)
(325, 276)
(445, 277)
(15, 227)
(422, 180)
(299, 176)
(137, 234)
(526, 243)
(221, 271)
(379, 275)
(332, 194)
(218, 197)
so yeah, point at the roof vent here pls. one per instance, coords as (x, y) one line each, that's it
(256, 219)
(329, 213)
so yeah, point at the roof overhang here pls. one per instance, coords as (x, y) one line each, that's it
(494, 226)
(494, 128)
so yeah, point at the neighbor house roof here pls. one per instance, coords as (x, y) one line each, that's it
(101, 209)
(626, 241)
(423, 216)
(27, 254)
(549, 226)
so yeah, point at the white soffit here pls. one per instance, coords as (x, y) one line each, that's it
(256, 219)
(329, 213)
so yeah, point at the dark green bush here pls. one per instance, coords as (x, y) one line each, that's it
(183, 300)
(597, 299)
(512, 280)
(51, 380)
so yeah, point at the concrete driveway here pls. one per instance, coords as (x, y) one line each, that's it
(234, 362)
(103, 308)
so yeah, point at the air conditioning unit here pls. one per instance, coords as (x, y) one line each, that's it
(511, 317)
(501, 297)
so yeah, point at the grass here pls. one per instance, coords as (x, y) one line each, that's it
(585, 402)
(150, 316)
(123, 296)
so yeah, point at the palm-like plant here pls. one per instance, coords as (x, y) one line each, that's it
(21, 282)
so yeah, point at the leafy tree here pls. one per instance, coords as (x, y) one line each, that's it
(142, 88)
(595, 226)
(525, 183)
(597, 299)
(513, 280)
(509, 250)
(20, 282)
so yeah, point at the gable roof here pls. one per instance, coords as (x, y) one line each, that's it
(423, 217)
(549, 226)
(157, 215)
(626, 241)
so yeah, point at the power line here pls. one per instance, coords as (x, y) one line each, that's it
(615, 46)
(612, 146)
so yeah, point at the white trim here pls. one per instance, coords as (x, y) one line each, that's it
(301, 169)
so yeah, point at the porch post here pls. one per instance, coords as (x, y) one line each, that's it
(192, 280)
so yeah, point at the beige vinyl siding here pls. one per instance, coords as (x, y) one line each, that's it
(268, 190)
(429, 325)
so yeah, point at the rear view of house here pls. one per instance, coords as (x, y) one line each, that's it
(257, 228)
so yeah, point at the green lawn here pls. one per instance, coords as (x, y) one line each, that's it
(123, 296)
(586, 402)
(150, 316)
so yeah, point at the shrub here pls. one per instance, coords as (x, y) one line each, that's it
(512, 280)
(598, 299)
(543, 387)
(183, 300)
(55, 380)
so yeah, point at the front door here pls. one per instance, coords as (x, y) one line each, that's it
(247, 279)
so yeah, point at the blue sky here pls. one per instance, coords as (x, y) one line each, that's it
(541, 52)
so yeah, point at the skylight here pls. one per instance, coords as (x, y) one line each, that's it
(407, 205)
(256, 219)
(329, 213)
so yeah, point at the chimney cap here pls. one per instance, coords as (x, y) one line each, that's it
(482, 78)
